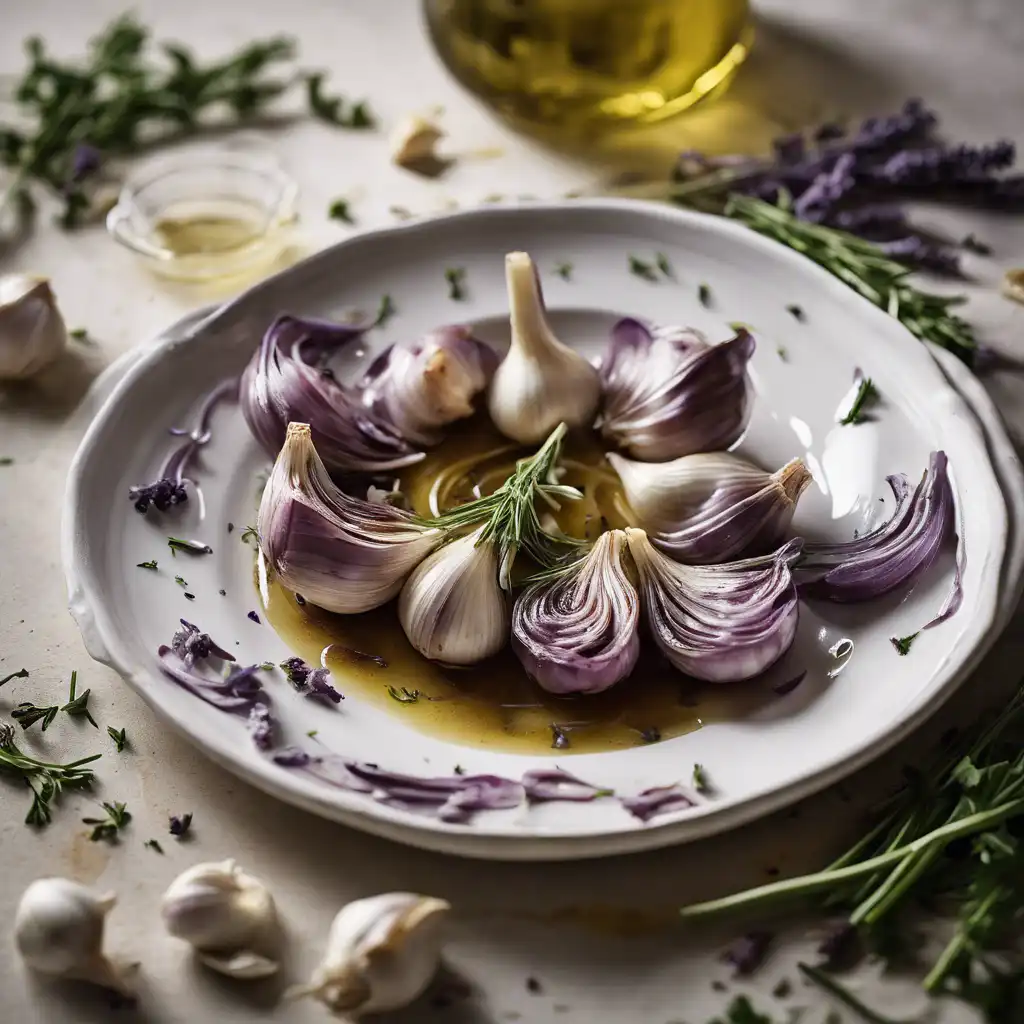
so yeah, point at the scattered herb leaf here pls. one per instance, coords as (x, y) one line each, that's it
(403, 696)
(663, 264)
(559, 738)
(79, 334)
(267, 666)
(700, 779)
(79, 706)
(456, 278)
(26, 714)
(642, 269)
(385, 311)
(192, 547)
(564, 271)
(22, 673)
(154, 845)
(534, 986)
(312, 734)
(6, 460)
(338, 210)
(902, 643)
(704, 295)
(249, 533)
(459, 770)
(797, 312)
(107, 828)
(974, 244)
(867, 393)
(181, 581)
(332, 108)
(119, 738)
(151, 564)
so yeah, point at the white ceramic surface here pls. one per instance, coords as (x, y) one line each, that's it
(804, 741)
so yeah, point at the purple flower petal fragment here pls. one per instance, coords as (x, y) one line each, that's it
(261, 726)
(894, 553)
(319, 687)
(748, 952)
(658, 800)
(720, 623)
(543, 784)
(579, 632)
(191, 645)
(668, 393)
(285, 381)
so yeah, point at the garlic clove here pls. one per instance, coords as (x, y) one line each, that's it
(541, 382)
(452, 608)
(58, 930)
(414, 145)
(244, 965)
(341, 553)
(32, 330)
(381, 954)
(711, 507)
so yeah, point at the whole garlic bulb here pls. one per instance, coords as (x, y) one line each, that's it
(452, 608)
(381, 954)
(220, 910)
(58, 929)
(541, 382)
(32, 331)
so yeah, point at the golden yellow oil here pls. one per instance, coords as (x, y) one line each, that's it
(571, 63)
(205, 234)
(494, 705)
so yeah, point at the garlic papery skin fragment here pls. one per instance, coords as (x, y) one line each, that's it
(381, 954)
(541, 382)
(711, 507)
(668, 393)
(32, 331)
(452, 608)
(222, 912)
(719, 623)
(341, 553)
(58, 929)
(423, 387)
(579, 632)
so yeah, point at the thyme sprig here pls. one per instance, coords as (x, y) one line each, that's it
(509, 516)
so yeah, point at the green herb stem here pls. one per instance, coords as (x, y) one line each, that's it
(845, 996)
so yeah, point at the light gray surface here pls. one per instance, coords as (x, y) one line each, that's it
(814, 60)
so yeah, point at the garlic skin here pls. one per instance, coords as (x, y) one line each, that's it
(58, 929)
(452, 608)
(32, 331)
(220, 911)
(341, 553)
(541, 382)
(381, 954)
(423, 387)
(711, 507)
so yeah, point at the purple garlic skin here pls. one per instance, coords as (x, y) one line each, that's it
(286, 381)
(579, 633)
(424, 387)
(668, 393)
(720, 623)
(894, 553)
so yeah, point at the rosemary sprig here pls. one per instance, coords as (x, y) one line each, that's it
(509, 516)
(26, 714)
(79, 705)
(107, 828)
(47, 781)
(868, 271)
(867, 394)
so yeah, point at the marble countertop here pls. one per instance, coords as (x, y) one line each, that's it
(512, 921)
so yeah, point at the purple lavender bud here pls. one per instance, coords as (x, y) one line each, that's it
(829, 132)
(293, 757)
(919, 252)
(914, 121)
(748, 952)
(85, 161)
(296, 671)
(828, 189)
(319, 687)
(161, 494)
(261, 726)
(875, 222)
(789, 149)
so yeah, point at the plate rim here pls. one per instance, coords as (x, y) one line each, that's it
(102, 643)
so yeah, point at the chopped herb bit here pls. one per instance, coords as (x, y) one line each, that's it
(783, 989)
(249, 533)
(253, 616)
(403, 696)
(534, 986)
(231, 527)
(79, 705)
(401, 212)
(27, 714)
(651, 734)
(181, 581)
(783, 353)
(222, 592)
(902, 644)
(6, 460)
(189, 597)
(22, 673)
(151, 564)
(704, 295)
(154, 845)
(974, 244)
(332, 108)
(268, 666)
(385, 311)
(564, 271)
(700, 779)
(119, 738)
(78, 334)
(867, 394)
(741, 1011)
(107, 828)
(456, 278)
(179, 826)
(312, 734)
(193, 547)
(797, 312)
(663, 264)
(559, 738)
(641, 268)
(338, 210)
(459, 770)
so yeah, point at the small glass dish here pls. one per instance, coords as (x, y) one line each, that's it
(207, 212)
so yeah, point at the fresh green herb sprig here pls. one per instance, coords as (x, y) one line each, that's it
(119, 737)
(903, 643)
(508, 516)
(867, 394)
(339, 210)
(47, 781)
(22, 673)
(456, 278)
(79, 706)
(26, 714)
(866, 269)
(107, 828)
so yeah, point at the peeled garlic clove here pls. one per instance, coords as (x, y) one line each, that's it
(428, 385)
(32, 331)
(541, 382)
(668, 393)
(579, 633)
(339, 552)
(414, 144)
(381, 954)
(894, 553)
(720, 623)
(452, 608)
(221, 911)
(58, 929)
(711, 507)
(286, 381)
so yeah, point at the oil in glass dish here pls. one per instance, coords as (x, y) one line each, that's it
(572, 64)
(206, 233)
(495, 705)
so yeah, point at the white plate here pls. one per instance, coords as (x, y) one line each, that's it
(804, 741)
